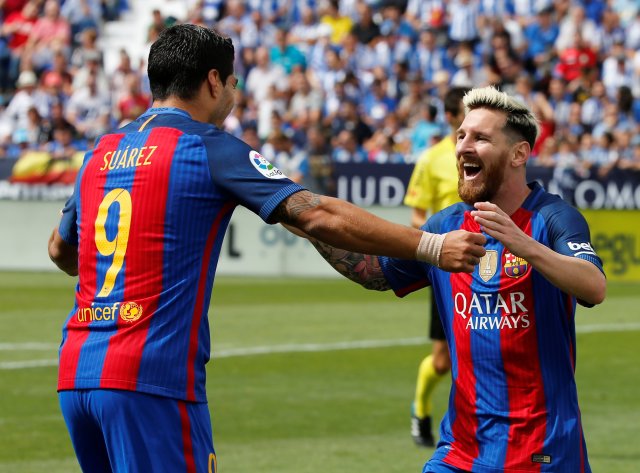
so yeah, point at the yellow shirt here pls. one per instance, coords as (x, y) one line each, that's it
(340, 27)
(434, 181)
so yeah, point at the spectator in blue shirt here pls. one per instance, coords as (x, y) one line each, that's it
(541, 36)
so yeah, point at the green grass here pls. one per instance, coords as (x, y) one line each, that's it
(335, 411)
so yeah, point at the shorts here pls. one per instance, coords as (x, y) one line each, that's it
(437, 465)
(436, 330)
(131, 432)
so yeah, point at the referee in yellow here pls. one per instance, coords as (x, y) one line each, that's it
(434, 186)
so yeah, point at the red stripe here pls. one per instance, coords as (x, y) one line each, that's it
(465, 425)
(91, 191)
(525, 386)
(186, 437)
(200, 296)
(143, 262)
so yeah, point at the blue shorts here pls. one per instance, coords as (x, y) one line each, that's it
(131, 432)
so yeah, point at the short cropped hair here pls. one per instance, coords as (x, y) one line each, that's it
(520, 122)
(453, 98)
(181, 58)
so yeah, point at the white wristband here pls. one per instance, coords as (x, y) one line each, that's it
(430, 247)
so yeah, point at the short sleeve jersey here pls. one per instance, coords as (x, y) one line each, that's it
(513, 404)
(434, 182)
(150, 208)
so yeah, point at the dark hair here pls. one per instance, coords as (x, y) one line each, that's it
(182, 57)
(453, 100)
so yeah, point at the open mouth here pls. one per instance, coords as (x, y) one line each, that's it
(471, 170)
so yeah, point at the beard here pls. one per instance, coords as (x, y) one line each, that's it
(470, 192)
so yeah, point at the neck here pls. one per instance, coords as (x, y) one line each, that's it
(511, 197)
(197, 113)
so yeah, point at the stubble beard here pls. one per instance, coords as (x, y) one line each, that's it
(471, 193)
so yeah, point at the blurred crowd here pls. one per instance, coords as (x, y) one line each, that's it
(341, 81)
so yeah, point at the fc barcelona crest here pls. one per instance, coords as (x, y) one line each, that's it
(488, 265)
(514, 266)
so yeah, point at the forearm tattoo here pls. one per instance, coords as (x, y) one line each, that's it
(290, 208)
(362, 269)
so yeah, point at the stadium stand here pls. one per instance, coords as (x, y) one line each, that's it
(363, 74)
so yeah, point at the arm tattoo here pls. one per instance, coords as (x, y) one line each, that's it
(294, 205)
(362, 269)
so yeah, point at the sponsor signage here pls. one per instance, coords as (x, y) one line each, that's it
(368, 184)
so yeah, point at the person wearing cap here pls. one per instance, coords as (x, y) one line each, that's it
(15, 116)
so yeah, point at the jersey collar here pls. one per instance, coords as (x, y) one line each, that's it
(166, 110)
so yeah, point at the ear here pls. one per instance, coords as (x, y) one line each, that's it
(213, 81)
(521, 153)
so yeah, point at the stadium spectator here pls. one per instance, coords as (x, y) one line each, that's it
(594, 106)
(63, 146)
(157, 26)
(346, 148)
(15, 30)
(426, 131)
(468, 73)
(133, 102)
(504, 65)
(576, 24)
(305, 32)
(427, 13)
(318, 150)
(87, 48)
(394, 45)
(631, 162)
(616, 70)
(429, 57)
(285, 54)
(514, 349)
(81, 15)
(560, 101)
(574, 58)
(377, 103)
(49, 33)
(89, 110)
(282, 152)
(365, 29)
(149, 379)
(463, 21)
(348, 117)
(305, 104)
(15, 116)
(338, 23)
(541, 35)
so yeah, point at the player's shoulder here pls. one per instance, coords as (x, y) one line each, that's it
(221, 141)
(551, 206)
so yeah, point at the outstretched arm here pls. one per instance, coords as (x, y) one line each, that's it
(574, 276)
(362, 269)
(340, 224)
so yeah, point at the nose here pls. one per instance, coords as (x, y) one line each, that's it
(463, 145)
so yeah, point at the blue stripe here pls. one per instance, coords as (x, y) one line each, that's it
(94, 350)
(190, 213)
(556, 333)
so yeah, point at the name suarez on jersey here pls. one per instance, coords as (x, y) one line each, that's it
(490, 311)
(127, 158)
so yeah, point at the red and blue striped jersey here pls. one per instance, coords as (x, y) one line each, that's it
(513, 404)
(150, 208)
